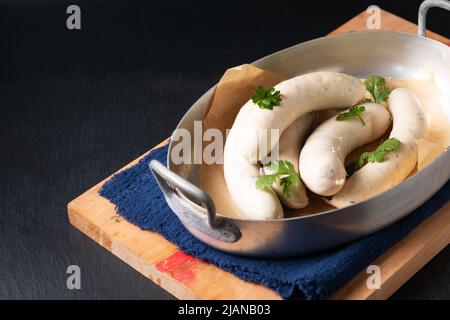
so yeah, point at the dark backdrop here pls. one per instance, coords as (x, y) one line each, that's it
(76, 106)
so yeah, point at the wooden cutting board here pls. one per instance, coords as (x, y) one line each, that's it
(189, 278)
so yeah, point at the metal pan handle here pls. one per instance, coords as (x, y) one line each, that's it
(202, 218)
(423, 11)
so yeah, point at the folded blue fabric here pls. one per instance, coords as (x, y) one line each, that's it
(139, 200)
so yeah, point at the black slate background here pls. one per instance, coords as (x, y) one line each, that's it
(76, 106)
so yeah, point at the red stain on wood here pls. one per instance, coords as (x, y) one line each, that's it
(180, 266)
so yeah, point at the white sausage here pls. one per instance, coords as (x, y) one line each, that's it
(322, 160)
(251, 202)
(300, 95)
(409, 125)
(290, 144)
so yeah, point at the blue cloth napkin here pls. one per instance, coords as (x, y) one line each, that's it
(139, 200)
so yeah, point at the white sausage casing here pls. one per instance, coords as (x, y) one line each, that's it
(322, 160)
(409, 125)
(300, 95)
(290, 144)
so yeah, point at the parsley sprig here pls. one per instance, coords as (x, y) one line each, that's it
(379, 155)
(355, 111)
(377, 86)
(266, 98)
(282, 171)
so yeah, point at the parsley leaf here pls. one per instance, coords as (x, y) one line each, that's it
(282, 171)
(355, 111)
(377, 86)
(379, 155)
(266, 98)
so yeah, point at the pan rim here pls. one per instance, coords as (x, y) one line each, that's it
(260, 61)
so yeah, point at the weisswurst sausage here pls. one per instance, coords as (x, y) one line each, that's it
(289, 146)
(322, 160)
(409, 125)
(300, 95)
